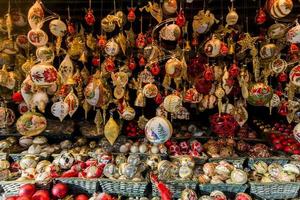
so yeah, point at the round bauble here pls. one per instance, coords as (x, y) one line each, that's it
(158, 130)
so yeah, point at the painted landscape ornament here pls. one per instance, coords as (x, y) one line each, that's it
(158, 130)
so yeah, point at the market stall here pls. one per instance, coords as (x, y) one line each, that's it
(132, 99)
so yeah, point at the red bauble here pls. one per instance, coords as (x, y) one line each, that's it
(283, 108)
(202, 86)
(158, 99)
(131, 15)
(294, 48)
(142, 61)
(89, 17)
(196, 66)
(223, 124)
(27, 190)
(155, 69)
(234, 70)
(224, 49)
(131, 64)
(109, 65)
(208, 74)
(282, 77)
(82, 197)
(140, 41)
(41, 195)
(261, 16)
(60, 190)
(71, 28)
(180, 19)
(17, 97)
(96, 61)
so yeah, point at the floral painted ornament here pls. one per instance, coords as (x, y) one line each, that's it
(259, 94)
(60, 109)
(295, 76)
(43, 74)
(158, 130)
(36, 15)
(66, 69)
(278, 65)
(150, 90)
(31, 124)
(172, 103)
(73, 102)
(111, 130)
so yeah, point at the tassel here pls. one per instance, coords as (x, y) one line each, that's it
(164, 191)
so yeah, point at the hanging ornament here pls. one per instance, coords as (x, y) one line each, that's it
(37, 37)
(128, 113)
(278, 65)
(109, 64)
(131, 63)
(295, 76)
(111, 130)
(45, 54)
(259, 94)
(169, 6)
(150, 90)
(279, 8)
(260, 17)
(220, 93)
(73, 103)
(180, 19)
(131, 15)
(43, 74)
(65, 69)
(158, 130)
(203, 21)
(172, 103)
(192, 96)
(140, 41)
(170, 32)
(98, 121)
(89, 16)
(232, 17)
(60, 109)
(293, 35)
(112, 48)
(58, 28)
(212, 47)
(7, 117)
(36, 15)
(102, 41)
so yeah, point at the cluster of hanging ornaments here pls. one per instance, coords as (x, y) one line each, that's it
(170, 77)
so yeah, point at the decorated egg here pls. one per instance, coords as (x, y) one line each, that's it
(259, 94)
(169, 6)
(295, 76)
(37, 37)
(45, 54)
(172, 103)
(212, 47)
(31, 124)
(277, 31)
(296, 132)
(66, 160)
(150, 90)
(268, 51)
(57, 27)
(188, 194)
(158, 130)
(171, 32)
(238, 176)
(43, 74)
(173, 67)
(28, 161)
(112, 48)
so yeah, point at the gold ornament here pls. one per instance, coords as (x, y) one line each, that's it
(111, 130)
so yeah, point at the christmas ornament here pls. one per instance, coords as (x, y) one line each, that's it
(158, 130)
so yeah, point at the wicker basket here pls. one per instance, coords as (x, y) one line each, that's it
(10, 188)
(237, 162)
(270, 160)
(176, 187)
(275, 190)
(224, 187)
(123, 187)
(80, 185)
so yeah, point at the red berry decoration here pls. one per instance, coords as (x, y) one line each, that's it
(17, 97)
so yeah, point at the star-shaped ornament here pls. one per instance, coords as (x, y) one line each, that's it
(247, 42)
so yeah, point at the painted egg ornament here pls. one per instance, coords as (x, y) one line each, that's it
(36, 15)
(212, 47)
(169, 6)
(150, 90)
(58, 27)
(28, 161)
(66, 160)
(37, 37)
(60, 109)
(158, 130)
(31, 124)
(259, 94)
(45, 54)
(172, 103)
(43, 74)
(232, 17)
(238, 176)
(277, 31)
(296, 132)
(189, 194)
(170, 32)
(112, 48)
(268, 51)
(293, 35)
(295, 76)
(128, 113)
